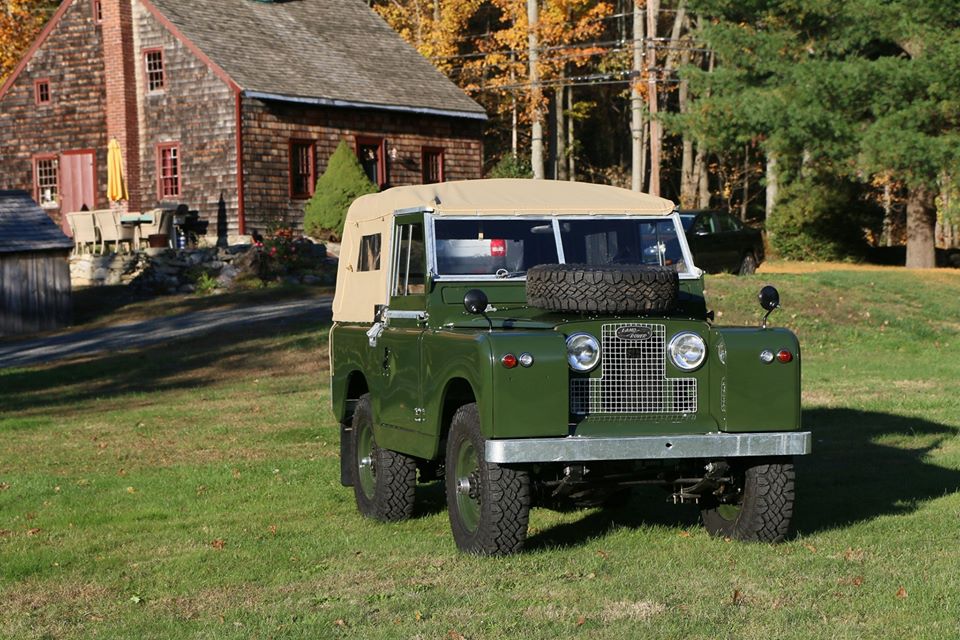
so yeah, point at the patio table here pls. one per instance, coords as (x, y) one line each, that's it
(135, 220)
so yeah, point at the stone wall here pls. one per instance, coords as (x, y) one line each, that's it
(269, 126)
(74, 118)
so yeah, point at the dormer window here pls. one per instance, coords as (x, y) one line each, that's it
(42, 91)
(153, 61)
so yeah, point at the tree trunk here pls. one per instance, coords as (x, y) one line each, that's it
(571, 140)
(703, 178)
(688, 184)
(653, 12)
(561, 133)
(514, 115)
(536, 113)
(746, 183)
(636, 102)
(773, 186)
(921, 221)
(887, 214)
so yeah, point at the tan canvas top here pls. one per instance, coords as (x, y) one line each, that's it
(358, 292)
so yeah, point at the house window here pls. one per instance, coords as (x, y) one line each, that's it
(42, 91)
(303, 175)
(168, 170)
(431, 165)
(370, 152)
(153, 59)
(46, 180)
(97, 11)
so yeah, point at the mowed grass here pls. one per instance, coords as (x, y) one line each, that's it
(192, 490)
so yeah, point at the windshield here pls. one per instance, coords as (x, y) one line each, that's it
(623, 241)
(505, 248)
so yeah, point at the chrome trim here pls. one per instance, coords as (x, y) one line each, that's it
(392, 314)
(709, 445)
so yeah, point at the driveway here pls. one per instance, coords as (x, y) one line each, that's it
(141, 334)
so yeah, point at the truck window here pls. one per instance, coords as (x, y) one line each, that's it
(369, 259)
(410, 267)
(485, 247)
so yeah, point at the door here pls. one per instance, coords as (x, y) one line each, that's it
(78, 184)
(399, 344)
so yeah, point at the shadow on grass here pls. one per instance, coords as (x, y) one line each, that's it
(183, 364)
(849, 478)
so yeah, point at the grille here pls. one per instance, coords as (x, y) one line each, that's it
(634, 379)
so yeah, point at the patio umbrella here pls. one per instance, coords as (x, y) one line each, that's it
(116, 187)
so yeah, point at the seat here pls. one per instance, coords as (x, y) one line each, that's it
(84, 231)
(161, 223)
(108, 224)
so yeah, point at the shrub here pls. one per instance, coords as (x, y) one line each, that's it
(510, 166)
(282, 252)
(821, 220)
(343, 182)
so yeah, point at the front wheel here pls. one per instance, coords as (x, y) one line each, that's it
(489, 504)
(757, 506)
(748, 266)
(384, 481)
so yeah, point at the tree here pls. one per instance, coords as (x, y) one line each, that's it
(343, 182)
(20, 23)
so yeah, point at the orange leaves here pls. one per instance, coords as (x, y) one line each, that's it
(218, 544)
(20, 22)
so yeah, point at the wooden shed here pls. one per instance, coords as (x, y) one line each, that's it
(34, 270)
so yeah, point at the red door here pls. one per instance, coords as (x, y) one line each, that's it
(78, 183)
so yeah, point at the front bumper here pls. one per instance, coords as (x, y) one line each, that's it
(708, 445)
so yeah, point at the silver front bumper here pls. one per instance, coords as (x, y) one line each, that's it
(709, 445)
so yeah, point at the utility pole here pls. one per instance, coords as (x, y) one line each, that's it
(653, 12)
(536, 115)
(636, 100)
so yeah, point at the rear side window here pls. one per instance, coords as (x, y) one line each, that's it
(369, 259)
(409, 273)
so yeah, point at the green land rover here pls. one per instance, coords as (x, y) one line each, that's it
(540, 343)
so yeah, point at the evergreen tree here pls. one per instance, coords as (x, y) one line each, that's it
(343, 182)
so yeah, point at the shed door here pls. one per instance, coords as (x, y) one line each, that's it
(78, 185)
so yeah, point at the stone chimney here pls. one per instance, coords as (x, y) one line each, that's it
(120, 60)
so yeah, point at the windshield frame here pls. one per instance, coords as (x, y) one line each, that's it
(692, 272)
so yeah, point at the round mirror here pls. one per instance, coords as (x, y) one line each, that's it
(475, 301)
(769, 298)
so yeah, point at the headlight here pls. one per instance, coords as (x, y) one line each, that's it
(583, 351)
(687, 351)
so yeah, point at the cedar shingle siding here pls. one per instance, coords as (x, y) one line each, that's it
(312, 70)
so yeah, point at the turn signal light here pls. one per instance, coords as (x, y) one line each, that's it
(784, 356)
(509, 361)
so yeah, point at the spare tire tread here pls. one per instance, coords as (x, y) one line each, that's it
(606, 289)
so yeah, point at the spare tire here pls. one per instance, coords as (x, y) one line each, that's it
(604, 289)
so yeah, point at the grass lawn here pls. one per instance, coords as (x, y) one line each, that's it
(192, 490)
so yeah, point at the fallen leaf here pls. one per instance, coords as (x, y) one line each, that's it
(810, 548)
(340, 622)
(857, 581)
(121, 472)
(4, 486)
(135, 599)
(131, 490)
(901, 592)
(5, 532)
(684, 534)
(236, 473)
(417, 616)
(602, 553)
(273, 529)
(737, 597)
(36, 530)
(218, 544)
(56, 489)
(454, 635)
(853, 554)
(582, 620)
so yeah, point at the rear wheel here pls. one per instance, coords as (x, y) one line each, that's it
(384, 481)
(748, 266)
(489, 504)
(757, 507)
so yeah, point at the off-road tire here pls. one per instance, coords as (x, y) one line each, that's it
(748, 266)
(602, 289)
(390, 495)
(765, 508)
(502, 508)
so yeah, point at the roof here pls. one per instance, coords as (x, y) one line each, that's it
(24, 226)
(509, 196)
(333, 52)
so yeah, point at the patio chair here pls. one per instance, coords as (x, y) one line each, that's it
(108, 224)
(84, 231)
(162, 222)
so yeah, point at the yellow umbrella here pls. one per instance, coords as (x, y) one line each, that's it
(116, 187)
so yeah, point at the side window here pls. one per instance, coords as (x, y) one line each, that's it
(704, 224)
(369, 253)
(409, 268)
(729, 223)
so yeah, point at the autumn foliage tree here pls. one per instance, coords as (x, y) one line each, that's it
(20, 23)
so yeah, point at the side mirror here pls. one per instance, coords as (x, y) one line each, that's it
(769, 298)
(475, 301)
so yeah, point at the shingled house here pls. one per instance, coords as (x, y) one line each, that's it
(226, 102)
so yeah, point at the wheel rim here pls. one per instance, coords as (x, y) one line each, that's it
(366, 473)
(467, 474)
